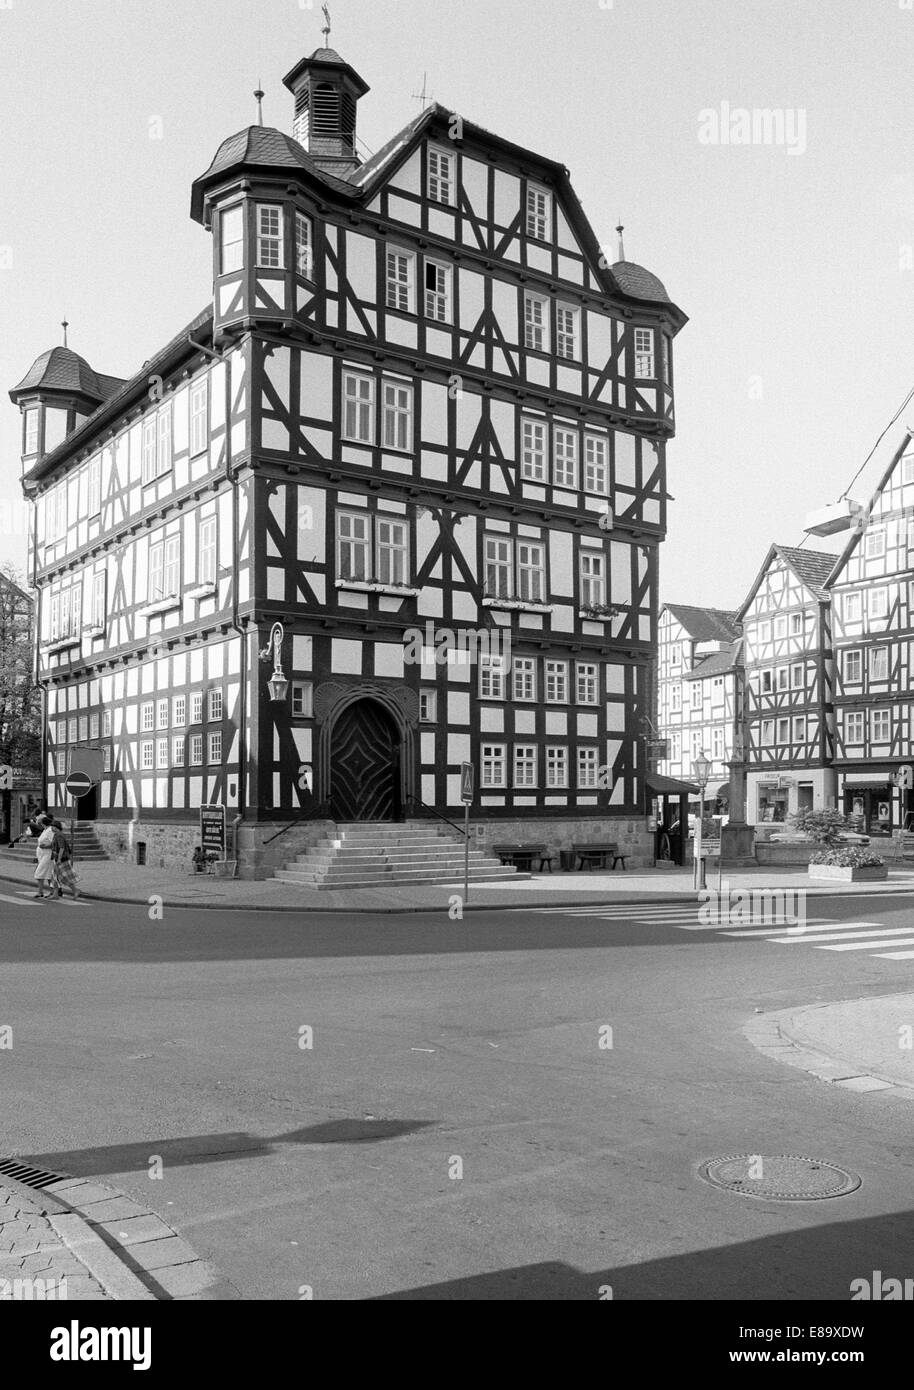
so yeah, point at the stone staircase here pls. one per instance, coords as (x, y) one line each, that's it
(85, 845)
(367, 854)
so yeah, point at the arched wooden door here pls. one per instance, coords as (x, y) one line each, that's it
(365, 764)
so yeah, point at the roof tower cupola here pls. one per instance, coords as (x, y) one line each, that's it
(326, 91)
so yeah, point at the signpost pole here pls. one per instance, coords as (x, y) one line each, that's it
(466, 852)
(72, 829)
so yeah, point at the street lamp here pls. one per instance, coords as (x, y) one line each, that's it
(277, 685)
(701, 771)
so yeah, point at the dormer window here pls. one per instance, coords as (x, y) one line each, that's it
(269, 236)
(440, 175)
(231, 239)
(538, 213)
(31, 431)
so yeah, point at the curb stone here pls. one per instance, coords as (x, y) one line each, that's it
(769, 1035)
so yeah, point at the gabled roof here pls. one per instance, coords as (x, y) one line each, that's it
(62, 369)
(862, 521)
(705, 624)
(715, 664)
(811, 567)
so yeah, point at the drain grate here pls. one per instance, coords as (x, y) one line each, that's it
(28, 1176)
(779, 1178)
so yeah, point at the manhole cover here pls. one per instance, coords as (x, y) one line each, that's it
(779, 1178)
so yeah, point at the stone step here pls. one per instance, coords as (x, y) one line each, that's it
(369, 856)
(431, 879)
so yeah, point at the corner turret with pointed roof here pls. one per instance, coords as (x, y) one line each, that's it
(57, 393)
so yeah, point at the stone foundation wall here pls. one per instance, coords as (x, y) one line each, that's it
(630, 833)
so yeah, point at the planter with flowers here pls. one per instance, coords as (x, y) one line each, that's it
(849, 864)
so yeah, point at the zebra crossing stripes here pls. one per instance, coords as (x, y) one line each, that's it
(29, 900)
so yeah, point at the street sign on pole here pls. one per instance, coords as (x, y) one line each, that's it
(79, 784)
(466, 796)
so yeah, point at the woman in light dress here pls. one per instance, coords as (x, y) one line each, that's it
(44, 868)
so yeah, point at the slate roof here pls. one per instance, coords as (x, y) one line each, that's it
(62, 369)
(812, 566)
(706, 624)
(640, 283)
(715, 664)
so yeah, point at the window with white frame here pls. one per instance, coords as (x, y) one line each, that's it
(675, 698)
(401, 279)
(437, 291)
(31, 431)
(536, 322)
(564, 457)
(147, 716)
(162, 753)
(796, 624)
(593, 578)
(162, 714)
(177, 750)
(304, 251)
(695, 687)
(206, 555)
(397, 414)
(588, 682)
(214, 748)
(557, 682)
(196, 707)
(538, 212)
(588, 767)
(231, 239)
(852, 607)
(556, 765)
(879, 664)
(61, 734)
(499, 566)
(83, 728)
(353, 545)
(907, 469)
(491, 678)
(440, 175)
(524, 765)
(780, 626)
(767, 682)
(874, 542)
(644, 353)
(215, 705)
(533, 462)
(853, 727)
(675, 747)
(853, 667)
(764, 631)
(164, 568)
(881, 725)
(428, 706)
(596, 464)
(149, 449)
(783, 731)
(717, 744)
(524, 668)
(493, 765)
(797, 676)
(391, 551)
(196, 750)
(106, 723)
(531, 572)
(302, 699)
(94, 726)
(877, 603)
(163, 440)
(199, 416)
(269, 236)
(358, 407)
(72, 730)
(799, 728)
(147, 755)
(95, 486)
(566, 330)
(107, 758)
(783, 678)
(179, 711)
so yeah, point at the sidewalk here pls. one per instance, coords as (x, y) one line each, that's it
(858, 1044)
(35, 1262)
(117, 882)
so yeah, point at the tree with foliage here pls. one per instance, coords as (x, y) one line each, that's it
(825, 827)
(20, 698)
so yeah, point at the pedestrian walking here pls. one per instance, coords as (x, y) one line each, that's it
(65, 874)
(44, 854)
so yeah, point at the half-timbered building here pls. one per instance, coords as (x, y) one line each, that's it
(789, 715)
(699, 693)
(421, 424)
(872, 592)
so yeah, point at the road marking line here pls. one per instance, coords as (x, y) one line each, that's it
(867, 945)
(799, 931)
(841, 936)
(21, 901)
(895, 955)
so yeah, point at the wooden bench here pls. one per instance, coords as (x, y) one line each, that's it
(522, 856)
(596, 855)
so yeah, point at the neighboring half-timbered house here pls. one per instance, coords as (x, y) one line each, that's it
(872, 591)
(787, 654)
(421, 425)
(699, 693)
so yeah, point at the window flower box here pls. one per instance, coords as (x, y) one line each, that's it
(60, 644)
(600, 612)
(371, 586)
(517, 605)
(161, 605)
(202, 591)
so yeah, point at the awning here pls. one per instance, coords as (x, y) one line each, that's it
(868, 779)
(669, 785)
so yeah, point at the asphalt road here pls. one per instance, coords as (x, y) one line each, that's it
(455, 1129)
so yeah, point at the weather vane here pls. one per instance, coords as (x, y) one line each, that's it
(326, 29)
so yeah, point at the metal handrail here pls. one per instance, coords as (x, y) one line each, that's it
(300, 820)
(458, 828)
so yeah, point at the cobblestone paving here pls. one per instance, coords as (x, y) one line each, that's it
(34, 1263)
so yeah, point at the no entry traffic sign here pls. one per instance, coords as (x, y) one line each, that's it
(79, 783)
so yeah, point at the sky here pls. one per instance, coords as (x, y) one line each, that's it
(794, 260)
